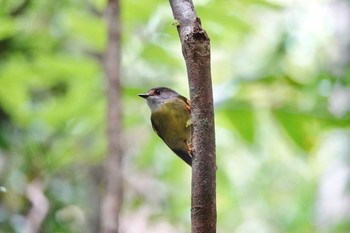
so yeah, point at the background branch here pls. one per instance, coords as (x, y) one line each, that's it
(196, 51)
(111, 203)
(20, 8)
(40, 206)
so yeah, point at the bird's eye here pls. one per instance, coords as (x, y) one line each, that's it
(157, 92)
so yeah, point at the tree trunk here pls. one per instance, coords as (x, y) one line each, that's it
(111, 203)
(196, 51)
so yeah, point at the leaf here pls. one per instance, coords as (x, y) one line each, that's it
(304, 129)
(8, 27)
(243, 120)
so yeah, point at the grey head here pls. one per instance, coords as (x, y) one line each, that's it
(157, 96)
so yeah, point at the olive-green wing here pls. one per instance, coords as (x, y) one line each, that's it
(156, 124)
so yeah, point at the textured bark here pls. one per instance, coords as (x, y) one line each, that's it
(111, 203)
(196, 51)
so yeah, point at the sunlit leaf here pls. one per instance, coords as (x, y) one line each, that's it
(304, 129)
(242, 120)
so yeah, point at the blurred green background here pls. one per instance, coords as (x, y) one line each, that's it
(281, 80)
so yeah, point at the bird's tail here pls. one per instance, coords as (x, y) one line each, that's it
(184, 155)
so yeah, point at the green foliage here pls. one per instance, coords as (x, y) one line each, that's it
(241, 120)
(303, 129)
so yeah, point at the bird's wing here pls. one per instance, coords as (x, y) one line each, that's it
(158, 123)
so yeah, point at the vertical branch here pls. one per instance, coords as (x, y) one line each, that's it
(196, 51)
(111, 203)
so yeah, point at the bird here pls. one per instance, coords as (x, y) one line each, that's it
(171, 120)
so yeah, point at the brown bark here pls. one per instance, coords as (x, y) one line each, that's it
(196, 51)
(111, 203)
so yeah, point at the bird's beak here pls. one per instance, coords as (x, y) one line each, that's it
(144, 95)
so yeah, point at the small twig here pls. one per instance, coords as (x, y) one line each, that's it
(39, 209)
